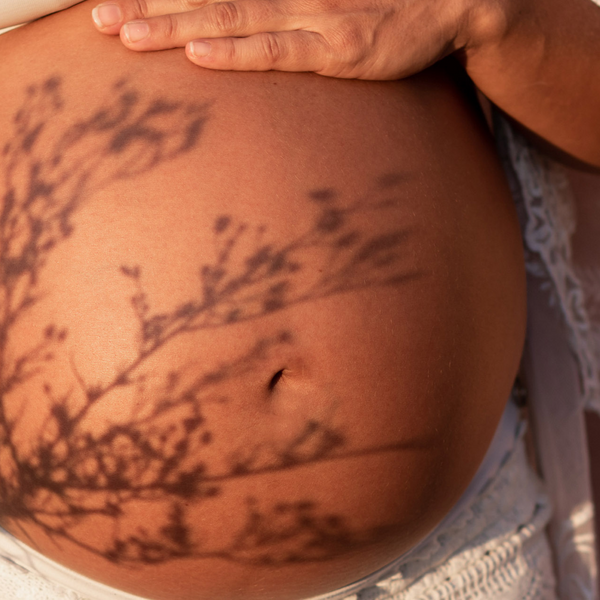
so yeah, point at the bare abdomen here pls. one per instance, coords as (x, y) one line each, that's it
(257, 329)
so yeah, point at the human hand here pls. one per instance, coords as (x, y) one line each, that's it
(365, 39)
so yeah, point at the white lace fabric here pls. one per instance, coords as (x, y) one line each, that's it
(561, 360)
(547, 232)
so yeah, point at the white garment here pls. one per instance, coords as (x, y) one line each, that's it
(16, 12)
(561, 360)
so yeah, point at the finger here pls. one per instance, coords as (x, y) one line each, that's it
(110, 16)
(222, 19)
(281, 51)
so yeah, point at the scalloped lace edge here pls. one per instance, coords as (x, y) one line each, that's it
(549, 224)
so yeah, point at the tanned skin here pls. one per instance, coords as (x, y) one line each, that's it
(256, 330)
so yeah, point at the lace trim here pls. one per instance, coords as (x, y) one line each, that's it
(547, 229)
(490, 525)
(590, 279)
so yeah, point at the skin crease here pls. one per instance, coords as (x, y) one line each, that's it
(536, 60)
(398, 386)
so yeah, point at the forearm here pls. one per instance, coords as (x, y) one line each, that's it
(542, 67)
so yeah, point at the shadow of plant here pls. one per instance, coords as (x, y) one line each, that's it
(160, 453)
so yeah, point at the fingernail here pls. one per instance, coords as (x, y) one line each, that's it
(136, 31)
(105, 15)
(199, 49)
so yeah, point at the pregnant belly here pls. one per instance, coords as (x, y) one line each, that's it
(256, 330)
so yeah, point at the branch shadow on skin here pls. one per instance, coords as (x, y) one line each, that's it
(163, 452)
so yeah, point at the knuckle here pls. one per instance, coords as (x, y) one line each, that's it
(169, 27)
(226, 17)
(350, 41)
(227, 51)
(139, 8)
(272, 48)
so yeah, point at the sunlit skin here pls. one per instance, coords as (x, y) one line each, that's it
(257, 329)
(537, 61)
